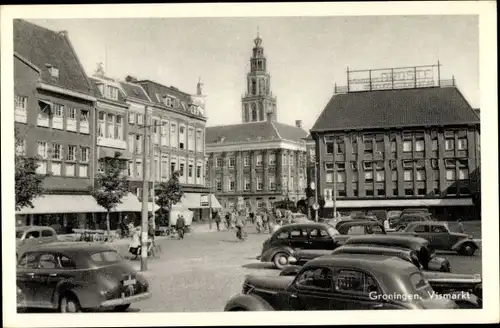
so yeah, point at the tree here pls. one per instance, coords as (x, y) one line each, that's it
(168, 194)
(28, 181)
(111, 184)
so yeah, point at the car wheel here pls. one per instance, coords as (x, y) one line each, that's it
(121, 308)
(467, 249)
(280, 260)
(69, 304)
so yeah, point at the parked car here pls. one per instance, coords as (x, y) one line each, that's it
(289, 238)
(402, 222)
(412, 249)
(425, 252)
(29, 236)
(342, 282)
(440, 237)
(72, 277)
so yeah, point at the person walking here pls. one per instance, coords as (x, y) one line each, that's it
(265, 220)
(258, 222)
(227, 221)
(239, 224)
(217, 220)
(461, 228)
(180, 226)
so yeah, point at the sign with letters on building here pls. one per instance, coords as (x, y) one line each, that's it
(393, 78)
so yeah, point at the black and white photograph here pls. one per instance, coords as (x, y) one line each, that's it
(174, 163)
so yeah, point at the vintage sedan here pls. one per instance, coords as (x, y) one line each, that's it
(406, 218)
(342, 282)
(31, 236)
(289, 238)
(78, 276)
(441, 237)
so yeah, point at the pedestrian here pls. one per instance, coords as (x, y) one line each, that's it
(135, 245)
(265, 220)
(258, 222)
(387, 226)
(239, 224)
(233, 219)
(252, 217)
(228, 220)
(180, 225)
(217, 220)
(461, 228)
(151, 235)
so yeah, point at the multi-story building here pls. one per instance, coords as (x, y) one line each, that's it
(177, 121)
(54, 114)
(259, 161)
(409, 141)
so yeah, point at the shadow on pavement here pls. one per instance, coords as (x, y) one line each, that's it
(258, 265)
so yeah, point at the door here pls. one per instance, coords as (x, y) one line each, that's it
(321, 239)
(312, 290)
(299, 239)
(26, 280)
(48, 276)
(439, 237)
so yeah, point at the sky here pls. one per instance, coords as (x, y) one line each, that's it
(305, 55)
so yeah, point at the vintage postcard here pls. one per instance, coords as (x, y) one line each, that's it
(317, 159)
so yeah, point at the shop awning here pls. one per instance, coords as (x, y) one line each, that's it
(198, 200)
(130, 203)
(110, 153)
(47, 204)
(400, 202)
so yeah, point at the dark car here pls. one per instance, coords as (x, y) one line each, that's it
(360, 227)
(292, 237)
(406, 218)
(342, 282)
(441, 237)
(77, 276)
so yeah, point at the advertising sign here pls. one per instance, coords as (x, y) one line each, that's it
(394, 78)
(204, 200)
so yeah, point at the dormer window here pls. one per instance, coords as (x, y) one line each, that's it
(53, 71)
(168, 101)
(112, 92)
(100, 86)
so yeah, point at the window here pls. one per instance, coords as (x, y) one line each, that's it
(285, 159)
(368, 165)
(407, 164)
(69, 169)
(219, 162)
(182, 137)
(464, 191)
(420, 175)
(329, 147)
(55, 168)
(84, 121)
(65, 263)
(71, 155)
(340, 146)
(419, 145)
(247, 184)
(449, 144)
(232, 161)
(218, 185)
(21, 106)
(407, 146)
(191, 139)
(463, 174)
(321, 278)
(393, 147)
(341, 177)
(44, 110)
(181, 169)
(119, 127)
(21, 148)
(85, 154)
(131, 138)
(408, 175)
(329, 177)
(139, 169)
(368, 146)
(199, 141)
(232, 185)
(56, 151)
(190, 170)
(379, 176)
(138, 144)
(259, 160)
(272, 183)
(47, 261)
(369, 192)
(101, 125)
(368, 176)
(173, 167)
(328, 194)
(173, 135)
(451, 175)
(42, 149)
(462, 144)
(29, 260)
(434, 145)
(198, 171)
(110, 124)
(260, 185)
(139, 118)
(106, 257)
(131, 118)
(380, 192)
(394, 175)
(421, 192)
(409, 192)
(57, 116)
(246, 161)
(131, 172)
(112, 92)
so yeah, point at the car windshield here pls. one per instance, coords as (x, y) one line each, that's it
(106, 257)
(19, 233)
(422, 287)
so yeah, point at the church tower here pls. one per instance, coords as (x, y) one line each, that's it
(258, 99)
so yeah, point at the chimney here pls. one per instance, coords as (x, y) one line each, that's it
(269, 116)
(298, 123)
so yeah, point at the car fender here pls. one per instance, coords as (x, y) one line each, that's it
(61, 288)
(268, 255)
(248, 303)
(459, 244)
(291, 270)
